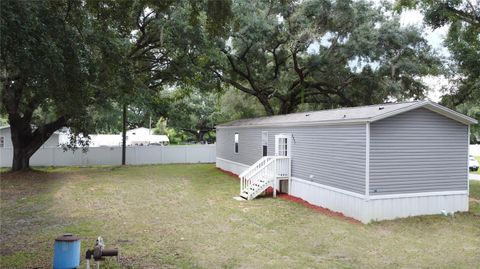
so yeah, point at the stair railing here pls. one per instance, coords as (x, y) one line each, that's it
(268, 168)
(247, 174)
(261, 162)
(254, 172)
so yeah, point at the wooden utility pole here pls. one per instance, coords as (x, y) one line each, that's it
(124, 134)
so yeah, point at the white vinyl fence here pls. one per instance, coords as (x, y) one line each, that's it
(474, 150)
(113, 155)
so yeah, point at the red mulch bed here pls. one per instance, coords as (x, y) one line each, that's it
(323, 210)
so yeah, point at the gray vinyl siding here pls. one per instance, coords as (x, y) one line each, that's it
(249, 145)
(418, 151)
(332, 155)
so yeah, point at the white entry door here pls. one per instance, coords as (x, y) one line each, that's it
(283, 145)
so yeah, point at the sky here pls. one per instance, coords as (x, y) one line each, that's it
(435, 39)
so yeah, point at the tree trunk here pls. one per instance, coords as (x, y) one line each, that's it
(23, 149)
(200, 136)
(286, 107)
(266, 105)
(21, 160)
(26, 141)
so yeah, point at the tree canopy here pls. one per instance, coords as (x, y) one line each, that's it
(462, 17)
(327, 53)
(64, 61)
(196, 63)
(56, 67)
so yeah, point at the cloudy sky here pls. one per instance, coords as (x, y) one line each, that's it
(414, 17)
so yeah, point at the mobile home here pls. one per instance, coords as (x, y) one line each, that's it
(370, 163)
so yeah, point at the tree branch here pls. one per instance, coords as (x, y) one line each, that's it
(467, 17)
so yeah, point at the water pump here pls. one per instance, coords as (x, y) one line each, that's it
(99, 253)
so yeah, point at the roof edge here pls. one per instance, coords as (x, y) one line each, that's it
(301, 123)
(432, 106)
(442, 110)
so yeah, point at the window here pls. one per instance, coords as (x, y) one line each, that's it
(236, 142)
(264, 143)
(2, 142)
(282, 147)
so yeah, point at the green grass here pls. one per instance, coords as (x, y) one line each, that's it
(478, 171)
(475, 197)
(183, 216)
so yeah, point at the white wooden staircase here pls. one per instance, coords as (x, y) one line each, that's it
(265, 173)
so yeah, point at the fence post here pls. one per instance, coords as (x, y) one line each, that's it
(53, 156)
(275, 178)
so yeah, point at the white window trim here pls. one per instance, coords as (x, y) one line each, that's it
(236, 143)
(288, 136)
(266, 134)
(262, 144)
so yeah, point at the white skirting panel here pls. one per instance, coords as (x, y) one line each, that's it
(379, 208)
(392, 208)
(335, 200)
(375, 208)
(234, 167)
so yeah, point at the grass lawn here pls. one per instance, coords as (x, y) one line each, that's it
(475, 197)
(184, 216)
(478, 171)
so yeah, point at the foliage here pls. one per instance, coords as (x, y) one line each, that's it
(140, 111)
(335, 53)
(160, 127)
(472, 109)
(69, 63)
(194, 112)
(3, 121)
(463, 43)
(60, 62)
(79, 63)
(177, 136)
(234, 105)
(166, 39)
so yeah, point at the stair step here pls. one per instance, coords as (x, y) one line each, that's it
(257, 178)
